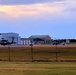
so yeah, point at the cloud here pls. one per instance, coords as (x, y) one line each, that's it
(72, 10)
(15, 2)
(32, 9)
(48, 9)
(71, 6)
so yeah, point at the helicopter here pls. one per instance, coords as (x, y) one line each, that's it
(5, 42)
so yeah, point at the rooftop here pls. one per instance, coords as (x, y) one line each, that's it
(38, 36)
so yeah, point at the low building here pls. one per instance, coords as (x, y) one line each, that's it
(40, 39)
(10, 36)
(25, 41)
(61, 41)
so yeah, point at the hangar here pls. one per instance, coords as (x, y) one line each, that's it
(40, 39)
(9, 36)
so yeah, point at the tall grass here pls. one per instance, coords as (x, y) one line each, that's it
(46, 53)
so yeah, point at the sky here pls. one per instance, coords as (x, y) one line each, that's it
(56, 18)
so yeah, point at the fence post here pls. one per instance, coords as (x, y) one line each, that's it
(56, 51)
(31, 52)
(8, 52)
(56, 54)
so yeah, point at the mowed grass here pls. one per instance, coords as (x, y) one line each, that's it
(45, 52)
(21, 68)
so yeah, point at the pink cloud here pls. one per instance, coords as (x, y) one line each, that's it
(36, 10)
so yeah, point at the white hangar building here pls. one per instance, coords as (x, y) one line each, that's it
(9, 36)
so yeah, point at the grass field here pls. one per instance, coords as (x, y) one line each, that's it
(21, 68)
(45, 52)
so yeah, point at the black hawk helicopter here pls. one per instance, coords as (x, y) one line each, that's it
(6, 42)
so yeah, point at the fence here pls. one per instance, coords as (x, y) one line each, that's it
(46, 53)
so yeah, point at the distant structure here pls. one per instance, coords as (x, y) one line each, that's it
(33, 39)
(25, 41)
(9, 36)
(40, 39)
(61, 41)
